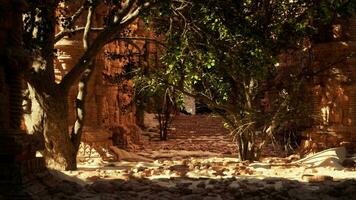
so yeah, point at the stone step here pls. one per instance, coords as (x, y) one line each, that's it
(203, 123)
(197, 127)
(200, 133)
(194, 127)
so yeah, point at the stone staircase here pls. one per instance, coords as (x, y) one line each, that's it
(197, 127)
(192, 135)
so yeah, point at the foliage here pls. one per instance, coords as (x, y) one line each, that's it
(225, 54)
(154, 95)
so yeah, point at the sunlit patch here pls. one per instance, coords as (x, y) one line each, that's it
(39, 154)
(323, 166)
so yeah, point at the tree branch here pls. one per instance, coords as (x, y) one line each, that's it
(204, 98)
(77, 14)
(67, 32)
(125, 11)
(73, 19)
(83, 86)
(139, 38)
(102, 39)
(87, 28)
(80, 106)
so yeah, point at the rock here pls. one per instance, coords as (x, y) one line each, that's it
(93, 178)
(260, 166)
(130, 185)
(191, 196)
(349, 163)
(118, 183)
(184, 184)
(346, 186)
(198, 190)
(181, 169)
(331, 163)
(327, 158)
(165, 195)
(103, 187)
(67, 188)
(138, 169)
(201, 184)
(272, 180)
(293, 157)
(217, 197)
(227, 152)
(350, 190)
(209, 187)
(278, 186)
(212, 181)
(167, 172)
(234, 185)
(301, 194)
(316, 178)
(128, 156)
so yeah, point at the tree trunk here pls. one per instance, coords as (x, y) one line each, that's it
(59, 151)
(247, 150)
(48, 120)
(47, 108)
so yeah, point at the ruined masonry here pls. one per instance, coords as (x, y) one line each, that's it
(17, 149)
(331, 94)
(110, 110)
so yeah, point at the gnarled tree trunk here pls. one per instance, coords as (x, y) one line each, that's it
(48, 120)
(48, 104)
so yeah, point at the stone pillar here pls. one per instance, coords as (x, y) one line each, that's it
(17, 154)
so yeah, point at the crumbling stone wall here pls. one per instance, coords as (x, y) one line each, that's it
(109, 104)
(331, 91)
(17, 149)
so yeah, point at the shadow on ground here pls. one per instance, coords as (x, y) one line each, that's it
(46, 186)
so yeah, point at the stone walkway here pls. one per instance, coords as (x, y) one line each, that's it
(183, 169)
(194, 133)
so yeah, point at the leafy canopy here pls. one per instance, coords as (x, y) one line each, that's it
(225, 54)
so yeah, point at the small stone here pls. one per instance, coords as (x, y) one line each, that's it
(67, 188)
(349, 163)
(278, 186)
(201, 184)
(191, 196)
(138, 169)
(209, 187)
(315, 178)
(103, 186)
(92, 178)
(217, 197)
(350, 190)
(234, 185)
